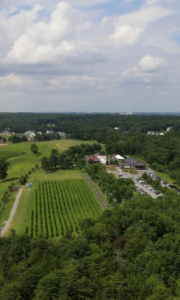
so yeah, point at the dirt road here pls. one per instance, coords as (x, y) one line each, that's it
(8, 223)
(96, 191)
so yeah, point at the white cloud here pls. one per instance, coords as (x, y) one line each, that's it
(151, 64)
(141, 17)
(146, 71)
(127, 34)
(10, 80)
(76, 49)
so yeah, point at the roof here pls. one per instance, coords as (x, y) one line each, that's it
(139, 164)
(119, 156)
(92, 157)
(130, 160)
(102, 158)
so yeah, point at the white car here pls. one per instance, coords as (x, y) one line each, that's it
(29, 185)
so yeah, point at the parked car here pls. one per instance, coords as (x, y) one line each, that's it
(29, 185)
(15, 188)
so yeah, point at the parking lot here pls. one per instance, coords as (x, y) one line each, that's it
(142, 187)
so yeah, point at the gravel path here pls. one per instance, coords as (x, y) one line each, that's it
(96, 191)
(8, 223)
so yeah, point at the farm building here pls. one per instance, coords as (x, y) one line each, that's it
(102, 158)
(91, 159)
(119, 157)
(131, 163)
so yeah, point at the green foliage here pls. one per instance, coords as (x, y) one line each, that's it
(144, 176)
(131, 252)
(4, 166)
(6, 154)
(34, 148)
(23, 180)
(69, 159)
(116, 189)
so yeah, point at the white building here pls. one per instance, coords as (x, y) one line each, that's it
(61, 133)
(102, 158)
(119, 157)
(168, 129)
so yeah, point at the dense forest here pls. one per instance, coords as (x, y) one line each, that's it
(130, 253)
(87, 126)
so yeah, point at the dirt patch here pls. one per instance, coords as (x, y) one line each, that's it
(2, 145)
(7, 229)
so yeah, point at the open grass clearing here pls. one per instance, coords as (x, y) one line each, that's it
(24, 163)
(65, 144)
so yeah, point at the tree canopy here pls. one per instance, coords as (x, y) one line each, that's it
(4, 166)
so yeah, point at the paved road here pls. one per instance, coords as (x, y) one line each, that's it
(8, 223)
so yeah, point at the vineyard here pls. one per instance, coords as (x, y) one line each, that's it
(58, 206)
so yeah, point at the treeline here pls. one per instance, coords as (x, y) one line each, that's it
(131, 252)
(17, 139)
(47, 137)
(71, 158)
(87, 126)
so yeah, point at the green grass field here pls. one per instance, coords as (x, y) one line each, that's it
(22, 160)
(55, 207)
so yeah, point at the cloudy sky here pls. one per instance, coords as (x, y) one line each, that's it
(90, 55)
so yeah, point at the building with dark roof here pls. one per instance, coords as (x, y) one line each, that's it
(132, 163)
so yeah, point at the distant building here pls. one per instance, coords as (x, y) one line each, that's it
(169, 128)
(131, 163)
(101, 158)
(31, 134)
(91, 159)
(161, 133)
(118, 157)
(61, 133)
(49, 132)
(8, 132)
(116, 128)
(152, 133)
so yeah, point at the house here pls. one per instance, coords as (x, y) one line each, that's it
(31, 134)
(168, 129)
(161, 133)
(7, 131)
(49, 132)
(116, 128)
(131, 163)
(152, 133)
(91, 159)
(61, 133)
(101, 158)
